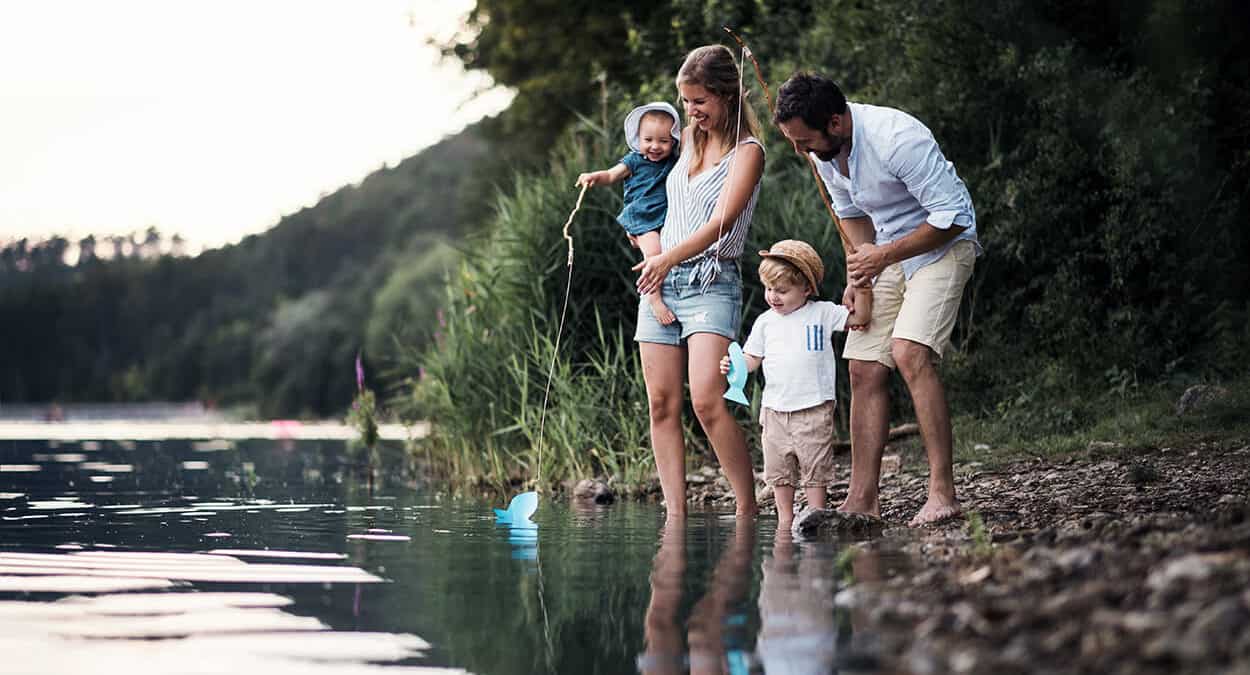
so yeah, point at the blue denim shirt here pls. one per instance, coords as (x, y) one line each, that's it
(646, 204)
(900, 179)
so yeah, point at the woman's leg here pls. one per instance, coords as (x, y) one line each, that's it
(662, 369)
(707, 388)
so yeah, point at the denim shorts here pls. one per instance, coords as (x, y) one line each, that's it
(717, 310)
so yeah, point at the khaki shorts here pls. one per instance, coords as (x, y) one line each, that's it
(798, 446)
(921, 309)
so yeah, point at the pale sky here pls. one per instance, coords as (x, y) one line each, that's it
(213, 119)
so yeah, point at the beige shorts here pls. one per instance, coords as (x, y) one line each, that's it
(921, 309)
(798, 446)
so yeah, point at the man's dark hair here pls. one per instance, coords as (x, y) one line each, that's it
(811, 98)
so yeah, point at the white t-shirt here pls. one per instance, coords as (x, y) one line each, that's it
(799, 363)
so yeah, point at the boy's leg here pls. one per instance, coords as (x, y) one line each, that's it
(649, 244)
(784, 496)
(815, 496)
(813, 430)
(780, 464)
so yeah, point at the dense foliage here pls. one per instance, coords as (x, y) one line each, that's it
(1103, 143)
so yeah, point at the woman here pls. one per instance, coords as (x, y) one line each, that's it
(711, 196)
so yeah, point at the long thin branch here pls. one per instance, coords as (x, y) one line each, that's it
(811, 164)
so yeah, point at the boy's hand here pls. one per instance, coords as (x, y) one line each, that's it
(590, 179)
(724, 365)
(861, 308)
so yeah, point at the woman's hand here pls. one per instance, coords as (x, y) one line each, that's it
(651, 273)
(724, 365)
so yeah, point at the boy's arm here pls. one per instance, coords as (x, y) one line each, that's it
(753, 362)
(605, 177)
(861, 309)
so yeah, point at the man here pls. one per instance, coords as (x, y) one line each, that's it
(911, 221)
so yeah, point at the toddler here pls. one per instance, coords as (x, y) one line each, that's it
(793, 342)
(652, 132)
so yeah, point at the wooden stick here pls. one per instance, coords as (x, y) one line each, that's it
(820, 184)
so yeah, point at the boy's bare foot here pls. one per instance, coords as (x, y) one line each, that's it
(934, 512)
(661, 311)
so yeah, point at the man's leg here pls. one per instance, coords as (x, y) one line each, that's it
(870, 408)
(915, 363)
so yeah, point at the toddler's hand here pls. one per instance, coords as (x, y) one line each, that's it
(589, 179)
(724, 365)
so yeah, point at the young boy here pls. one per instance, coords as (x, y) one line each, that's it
(793, 342)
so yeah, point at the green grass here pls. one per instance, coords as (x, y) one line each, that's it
(1144, 418)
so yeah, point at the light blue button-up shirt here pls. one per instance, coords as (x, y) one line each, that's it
(900, 179)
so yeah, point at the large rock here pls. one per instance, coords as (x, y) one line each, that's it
(817, 523)
(590, 490)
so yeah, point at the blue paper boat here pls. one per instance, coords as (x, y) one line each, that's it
(737, 375)
(519, 511)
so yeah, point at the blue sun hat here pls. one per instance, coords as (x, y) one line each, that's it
(634, 118)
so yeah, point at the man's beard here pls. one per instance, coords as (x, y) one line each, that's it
(835, 147)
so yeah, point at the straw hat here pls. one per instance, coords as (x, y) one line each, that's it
(801, 255)
(634, 118)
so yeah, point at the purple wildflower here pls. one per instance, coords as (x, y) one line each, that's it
(442, 320)
(360, 374)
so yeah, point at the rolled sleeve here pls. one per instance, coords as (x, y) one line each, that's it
(918, 162)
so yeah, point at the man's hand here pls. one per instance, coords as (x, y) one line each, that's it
(724, 365)
(865, 263)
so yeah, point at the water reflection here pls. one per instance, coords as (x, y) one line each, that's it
(600, 590)
(717, 631)
(798, 631)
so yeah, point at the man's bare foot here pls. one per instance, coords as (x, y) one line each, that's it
(934, 512)
(872, 508)
(661, 311)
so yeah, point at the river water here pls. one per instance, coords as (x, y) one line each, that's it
(289, 559)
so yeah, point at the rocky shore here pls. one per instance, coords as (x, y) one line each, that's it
(1120, 561)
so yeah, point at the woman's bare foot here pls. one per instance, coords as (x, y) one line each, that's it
(661, 311)
(934, 512)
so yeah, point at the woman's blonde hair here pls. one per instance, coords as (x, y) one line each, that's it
(713, 68)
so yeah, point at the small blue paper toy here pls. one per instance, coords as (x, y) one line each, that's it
(737, 375)
(519, 511)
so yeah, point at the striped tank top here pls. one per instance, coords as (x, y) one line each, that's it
(692, 202)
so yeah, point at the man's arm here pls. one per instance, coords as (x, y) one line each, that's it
(869, 259)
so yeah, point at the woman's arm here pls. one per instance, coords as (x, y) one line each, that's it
(733, 199)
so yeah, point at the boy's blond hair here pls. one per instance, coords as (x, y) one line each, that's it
(775, 270)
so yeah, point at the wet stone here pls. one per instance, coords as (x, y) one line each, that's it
(590, 490)
(817, 523)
